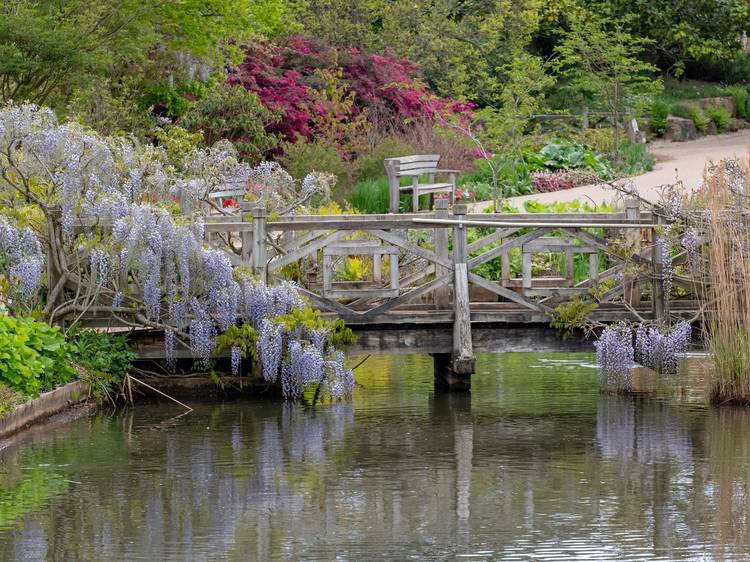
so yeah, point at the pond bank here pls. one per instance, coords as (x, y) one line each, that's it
(43, 407)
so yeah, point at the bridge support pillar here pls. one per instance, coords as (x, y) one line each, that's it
(452, 374)
(453, 370)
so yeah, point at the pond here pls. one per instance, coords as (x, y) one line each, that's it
(535, 465)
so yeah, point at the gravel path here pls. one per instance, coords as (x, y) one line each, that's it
(683, 160)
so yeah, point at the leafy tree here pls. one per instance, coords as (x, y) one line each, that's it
(461, 46)
(49, 49)
(602, 61)
(680, 30)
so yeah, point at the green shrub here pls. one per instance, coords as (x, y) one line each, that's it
(568, 155)
(371, 166)
(741, 99)
(634, 158)
(103, 353)
(720, 116)
(512, 176)
(232, 112)
(699, 119)
(371, 196)
(301, 158)
(33, 356)
(682, 111)
(658, 121)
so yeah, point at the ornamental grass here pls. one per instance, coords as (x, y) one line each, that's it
(726, 227)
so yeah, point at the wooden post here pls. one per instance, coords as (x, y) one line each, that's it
(456, 375)
(259, 259)
(632, 292)
(443, 294)
(658, 300)
(393, 187)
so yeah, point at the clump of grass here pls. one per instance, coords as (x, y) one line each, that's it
(727, 273)
(370, 196)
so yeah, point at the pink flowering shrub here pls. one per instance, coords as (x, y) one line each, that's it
(546, 182)
(388, 90)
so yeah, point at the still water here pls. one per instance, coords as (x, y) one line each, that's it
(536, 465)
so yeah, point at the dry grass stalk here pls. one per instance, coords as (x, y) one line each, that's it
(725, 216)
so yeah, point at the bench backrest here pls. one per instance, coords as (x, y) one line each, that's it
(416, 165)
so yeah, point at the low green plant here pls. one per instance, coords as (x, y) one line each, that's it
(681, 111)
(243, 336)
(337, 333)
(512, 174)
(572, 315)
(658, 120)
(634, 158)
(741, 98)
(103, 353)
(720, 116)
(699, 118)
(33, 355)
(568, 155)
(370, 196)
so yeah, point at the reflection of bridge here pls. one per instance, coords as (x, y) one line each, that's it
(426, 281)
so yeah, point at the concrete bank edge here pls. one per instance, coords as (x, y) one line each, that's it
(46, 405)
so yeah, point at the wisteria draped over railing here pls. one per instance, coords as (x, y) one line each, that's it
(121, 229)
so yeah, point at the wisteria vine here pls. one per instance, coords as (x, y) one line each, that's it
(111, 230)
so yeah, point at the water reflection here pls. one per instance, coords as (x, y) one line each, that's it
(536, 464)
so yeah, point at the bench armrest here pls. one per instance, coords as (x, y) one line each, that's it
(447, 171)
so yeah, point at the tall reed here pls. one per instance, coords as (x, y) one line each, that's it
(724, 200)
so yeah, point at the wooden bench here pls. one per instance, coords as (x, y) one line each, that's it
(416, 167)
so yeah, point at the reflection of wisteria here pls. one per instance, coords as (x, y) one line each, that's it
(644, 432)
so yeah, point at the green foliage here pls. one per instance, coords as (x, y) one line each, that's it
(699, 118)
(33, 355)
(231, 112)
(103, 353)
(371, 196)
(682, 111)
(512, 176)
(719, 115)
(521, 97)
(127, 48)
(463, 48)
(602, 60)
(741, 98)
(243, 336)
(337, 334)
(572, 315)
(634, 159)
(576, 206)
(370, 166)
(658, 120)
(568, 155)
(301, 158)
(681, 31)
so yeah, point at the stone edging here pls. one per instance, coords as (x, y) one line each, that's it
(47, 404)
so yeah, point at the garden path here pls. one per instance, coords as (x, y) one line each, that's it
(685, 160)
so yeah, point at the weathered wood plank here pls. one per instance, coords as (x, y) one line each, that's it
(410, 295)
(412, 248)
(304, 251)
(506, 246)
(507, 293)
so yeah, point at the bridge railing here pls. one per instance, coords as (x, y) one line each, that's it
(408, 267)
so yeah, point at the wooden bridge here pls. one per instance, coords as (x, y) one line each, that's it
(432, 281)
